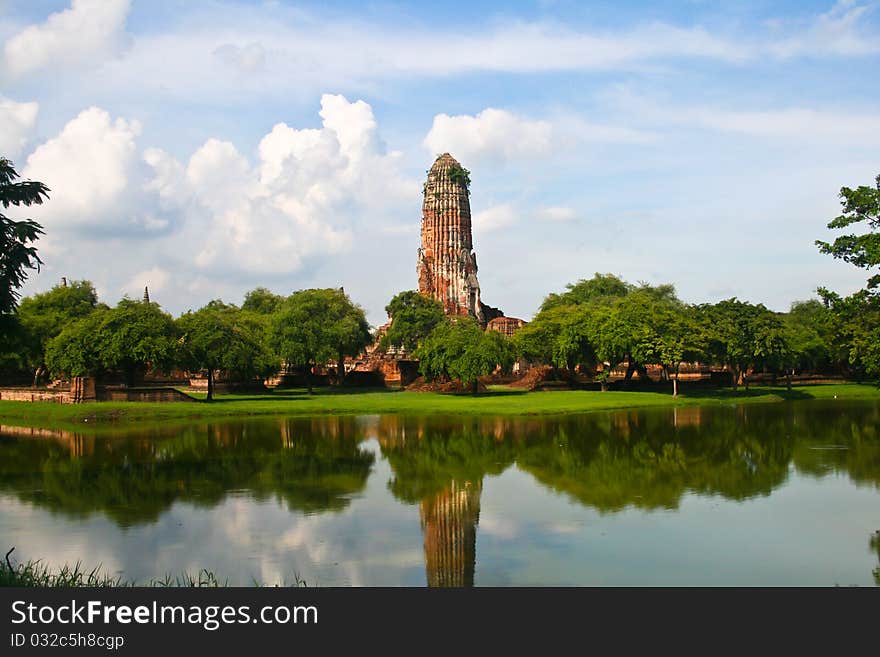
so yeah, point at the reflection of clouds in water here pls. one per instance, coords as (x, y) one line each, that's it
(564, 528)
(499, 526)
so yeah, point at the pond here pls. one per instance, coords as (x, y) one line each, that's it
(763, 494)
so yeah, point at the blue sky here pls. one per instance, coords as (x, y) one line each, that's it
(206, 148)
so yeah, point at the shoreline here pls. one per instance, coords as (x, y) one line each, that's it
(497, 402)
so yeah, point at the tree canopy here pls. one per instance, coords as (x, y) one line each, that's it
(17, 253)
(130, 338)
(413, 317)
(223, 337)
(45, 315)
(317, 326)
(860, 205)
(459, 349)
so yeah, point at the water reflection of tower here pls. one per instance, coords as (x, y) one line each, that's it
(449, 521)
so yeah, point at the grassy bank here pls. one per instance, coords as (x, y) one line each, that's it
(37, 574)
(498, 401)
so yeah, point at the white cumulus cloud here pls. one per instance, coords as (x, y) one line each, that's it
(216, 216)
(85, 32)
(17, 120)
(88, 167)
(494, 217)
(493, 134)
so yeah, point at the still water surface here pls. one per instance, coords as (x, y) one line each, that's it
(775, 494)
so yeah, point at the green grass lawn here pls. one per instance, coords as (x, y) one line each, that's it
(499, 400)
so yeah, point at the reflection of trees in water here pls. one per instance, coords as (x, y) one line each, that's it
(311, 465)
(846, 441)
(645, 460)
(440, 464)
(607, 461)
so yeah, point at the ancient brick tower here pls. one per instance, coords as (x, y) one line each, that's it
(447, 264)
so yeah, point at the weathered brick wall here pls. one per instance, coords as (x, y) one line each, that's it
(36, 395)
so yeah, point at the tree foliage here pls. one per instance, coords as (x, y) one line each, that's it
(45, 315)
(413, 317)
(223, 337)
(317, 326)
(132, 337)
(17, 253)
(860, 205)
(459, 349)
(262, 301)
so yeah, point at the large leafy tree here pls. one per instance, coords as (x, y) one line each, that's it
(856, 325)
(262, 301)
(132, 337)
(860, 206)
(222, 337)
(743, 336)
(459, 349)
(45, 315)
(76, 351)
(347, 330)
(317, 326)
(598, 289)
(17, 253)
(413, 317)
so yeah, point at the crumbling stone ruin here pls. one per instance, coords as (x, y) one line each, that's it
(446, 267)
(447, 264)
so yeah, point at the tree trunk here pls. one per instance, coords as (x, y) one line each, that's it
(604, 385)
(38, 375)
(675, 385)
(788, 380)
(735, 372)
(630, 368)
(340, 370)
(210, 396)
(309, 378)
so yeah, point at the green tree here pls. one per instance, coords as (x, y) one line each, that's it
(459, 349)
(262, 301)
(222, 337)
(130, 338)
(75, 350)
(808, 326)
(43, 316)
(856, 330)
(317, 326)
(743, 336)
(859, 205)
(600, 288)
(347, 329)
(17, 253)
(413, 317)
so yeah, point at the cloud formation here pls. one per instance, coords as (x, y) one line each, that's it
(89, 166)
(218, 214)
(17, 120)
(84, 33)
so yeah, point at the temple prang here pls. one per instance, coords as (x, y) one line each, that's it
(446, 268)
(447, 263)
